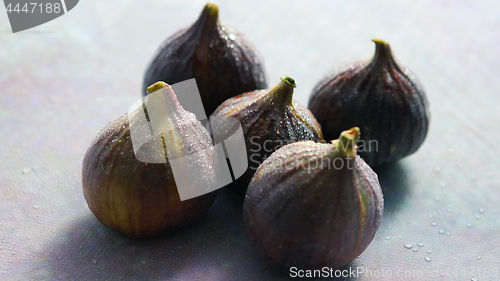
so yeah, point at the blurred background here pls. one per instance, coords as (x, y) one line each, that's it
(63, 81)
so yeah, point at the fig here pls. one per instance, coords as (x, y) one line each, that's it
(384, 99)
(269, 119)
(141, 199)
(221, 59)
(313, 205)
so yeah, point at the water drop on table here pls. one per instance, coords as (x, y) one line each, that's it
(387, 238)
(433, 223)
(428, 259)
(408, 245)
(481, 210)
(469, 225)
(420, 244)
(415, 250)
(478, 257)
(441, 231)
(26, 170)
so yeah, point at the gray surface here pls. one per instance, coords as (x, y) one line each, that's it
(61, 82)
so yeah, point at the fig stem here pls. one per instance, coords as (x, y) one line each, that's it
(282, 93)
(346, 143)
(383, 53)
(289, 81)
(212, 10)
(208, 19)
(156, 86)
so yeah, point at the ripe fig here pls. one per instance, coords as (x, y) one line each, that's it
(382, 98)
(220, 58)
(313, 205)
(269, 119)
(141, 199)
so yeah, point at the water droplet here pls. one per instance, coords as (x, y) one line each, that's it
(420, 244)
(232, 37)
(36, 206)
(13, 253)
(408, 245)
(428, 259)
(481, 210)
(469, 225)
(231, 46)
(478, 217)
(474, 279)
(387, 238)
(441, 231)
(434, 223)
(415, 250)
(399, 237)
(94, 261)
(478, 257)
(389, 227)
(26, 170)
(448, 233)
(428, 252)
(437, 169)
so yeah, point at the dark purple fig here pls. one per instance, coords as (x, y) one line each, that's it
(314, 205)
(220, 58)
(269, 119)
(382, 98)
(141, 199)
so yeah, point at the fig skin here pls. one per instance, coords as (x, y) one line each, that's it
(221, 59)
(300, 213)
(136, 198)
(269, 119)
(384, 99)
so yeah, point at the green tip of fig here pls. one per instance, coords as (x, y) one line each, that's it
(289, 81)
(346, 144)
(156, 86)
(351, 135)
(282, 93)
(211, 10)
(383, 54)
(379, 41)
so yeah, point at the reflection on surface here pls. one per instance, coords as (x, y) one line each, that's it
(216, 247)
